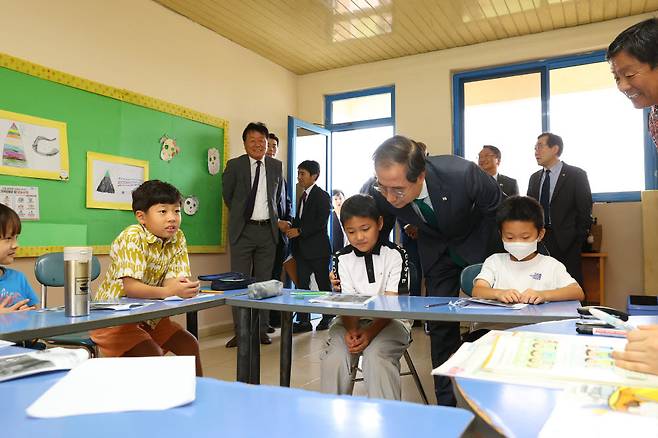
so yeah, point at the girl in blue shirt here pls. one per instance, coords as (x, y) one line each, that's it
(16, 294)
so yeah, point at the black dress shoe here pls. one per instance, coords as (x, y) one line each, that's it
(324, 324)
(232, 343)
(302, 327)
(265, 340)
(270, 329)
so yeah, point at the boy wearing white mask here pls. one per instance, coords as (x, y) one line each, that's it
(522, 275)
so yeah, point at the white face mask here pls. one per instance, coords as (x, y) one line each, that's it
(520, 250)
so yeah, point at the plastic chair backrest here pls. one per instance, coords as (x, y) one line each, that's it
(49, 271)
(468, 276)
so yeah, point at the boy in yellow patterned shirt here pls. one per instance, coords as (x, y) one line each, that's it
(149, 260)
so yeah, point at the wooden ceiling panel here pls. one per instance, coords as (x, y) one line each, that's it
(307, 36)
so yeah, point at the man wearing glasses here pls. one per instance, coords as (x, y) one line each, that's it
(453, 203)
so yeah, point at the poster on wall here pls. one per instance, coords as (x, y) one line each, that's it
(111, 180)
(23, 200)
(33, 147)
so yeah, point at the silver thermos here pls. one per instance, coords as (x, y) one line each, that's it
(77, 276)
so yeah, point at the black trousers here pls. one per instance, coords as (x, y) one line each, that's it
(443, 280)
(305, 267)
(570, 258)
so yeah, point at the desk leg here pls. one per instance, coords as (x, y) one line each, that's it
(192, 323)
(286, 349)
(254, 362)
(244, 344)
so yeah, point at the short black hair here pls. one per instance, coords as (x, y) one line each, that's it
(255, 126)
(311, 166)
(336, 192)
(640, 41)
(10, 223)
(493, 149)
(553, 140)
(153, 192)
(402, 150)
(273, 136)
(520, 208)
(359, 206)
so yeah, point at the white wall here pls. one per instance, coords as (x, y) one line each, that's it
(143, 47)
(424, 112)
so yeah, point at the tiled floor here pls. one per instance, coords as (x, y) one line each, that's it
(220, 362)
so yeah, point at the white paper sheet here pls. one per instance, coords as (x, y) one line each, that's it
(4, 344)
(177, 298)
(120, 384)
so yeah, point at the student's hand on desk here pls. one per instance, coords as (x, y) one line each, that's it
(335, 283)
(508, 296)
(531, 296)
(641, 352)
(183, 287)
(292, 233)
(283, 226)
(19, 306)
(411, 231)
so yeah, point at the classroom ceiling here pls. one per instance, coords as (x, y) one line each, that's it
(307, 36)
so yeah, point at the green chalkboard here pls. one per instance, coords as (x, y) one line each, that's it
(120, 123)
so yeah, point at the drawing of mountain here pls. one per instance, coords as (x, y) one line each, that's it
(106, 185)
(12, 153)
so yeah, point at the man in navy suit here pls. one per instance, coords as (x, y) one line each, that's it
(310, 241)
(564, 193)
(489, 160)
(453, 204)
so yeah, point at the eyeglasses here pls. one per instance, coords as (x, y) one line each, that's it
(399, 193)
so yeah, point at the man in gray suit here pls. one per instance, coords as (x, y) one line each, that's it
(251, 183)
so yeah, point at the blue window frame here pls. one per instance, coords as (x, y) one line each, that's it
(543, 67)
(358, 124)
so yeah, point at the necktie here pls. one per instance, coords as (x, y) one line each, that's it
(251, 201)
(545, 197)
(301, 205)
(427, 212)
(653, 124)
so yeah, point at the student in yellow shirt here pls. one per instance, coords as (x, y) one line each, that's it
(149, 260)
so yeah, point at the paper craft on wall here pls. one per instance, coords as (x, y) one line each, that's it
(23, 200)
(190, 205)
(33, 147)
(213, 161)
(111, 180)
(169, 148)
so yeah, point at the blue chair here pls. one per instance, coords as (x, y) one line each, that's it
(49, 271)
(468, 276)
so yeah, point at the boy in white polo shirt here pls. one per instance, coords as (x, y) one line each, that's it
(367, 267)
(522, 275)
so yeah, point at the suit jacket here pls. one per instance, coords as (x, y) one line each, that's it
(236, 186)
(337, 235)
(571, 205)
(465, 199)
(284, 208)
(313, 242)
(508, 185)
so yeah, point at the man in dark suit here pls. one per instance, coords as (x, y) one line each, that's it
(452, 202)
(310, 241)
(563, 192)
(284, 209)
(250, 185)
(489, 160)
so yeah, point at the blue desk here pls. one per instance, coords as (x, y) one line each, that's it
(229, 409)
(407, 307)
(517, 410)
(34, 324)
